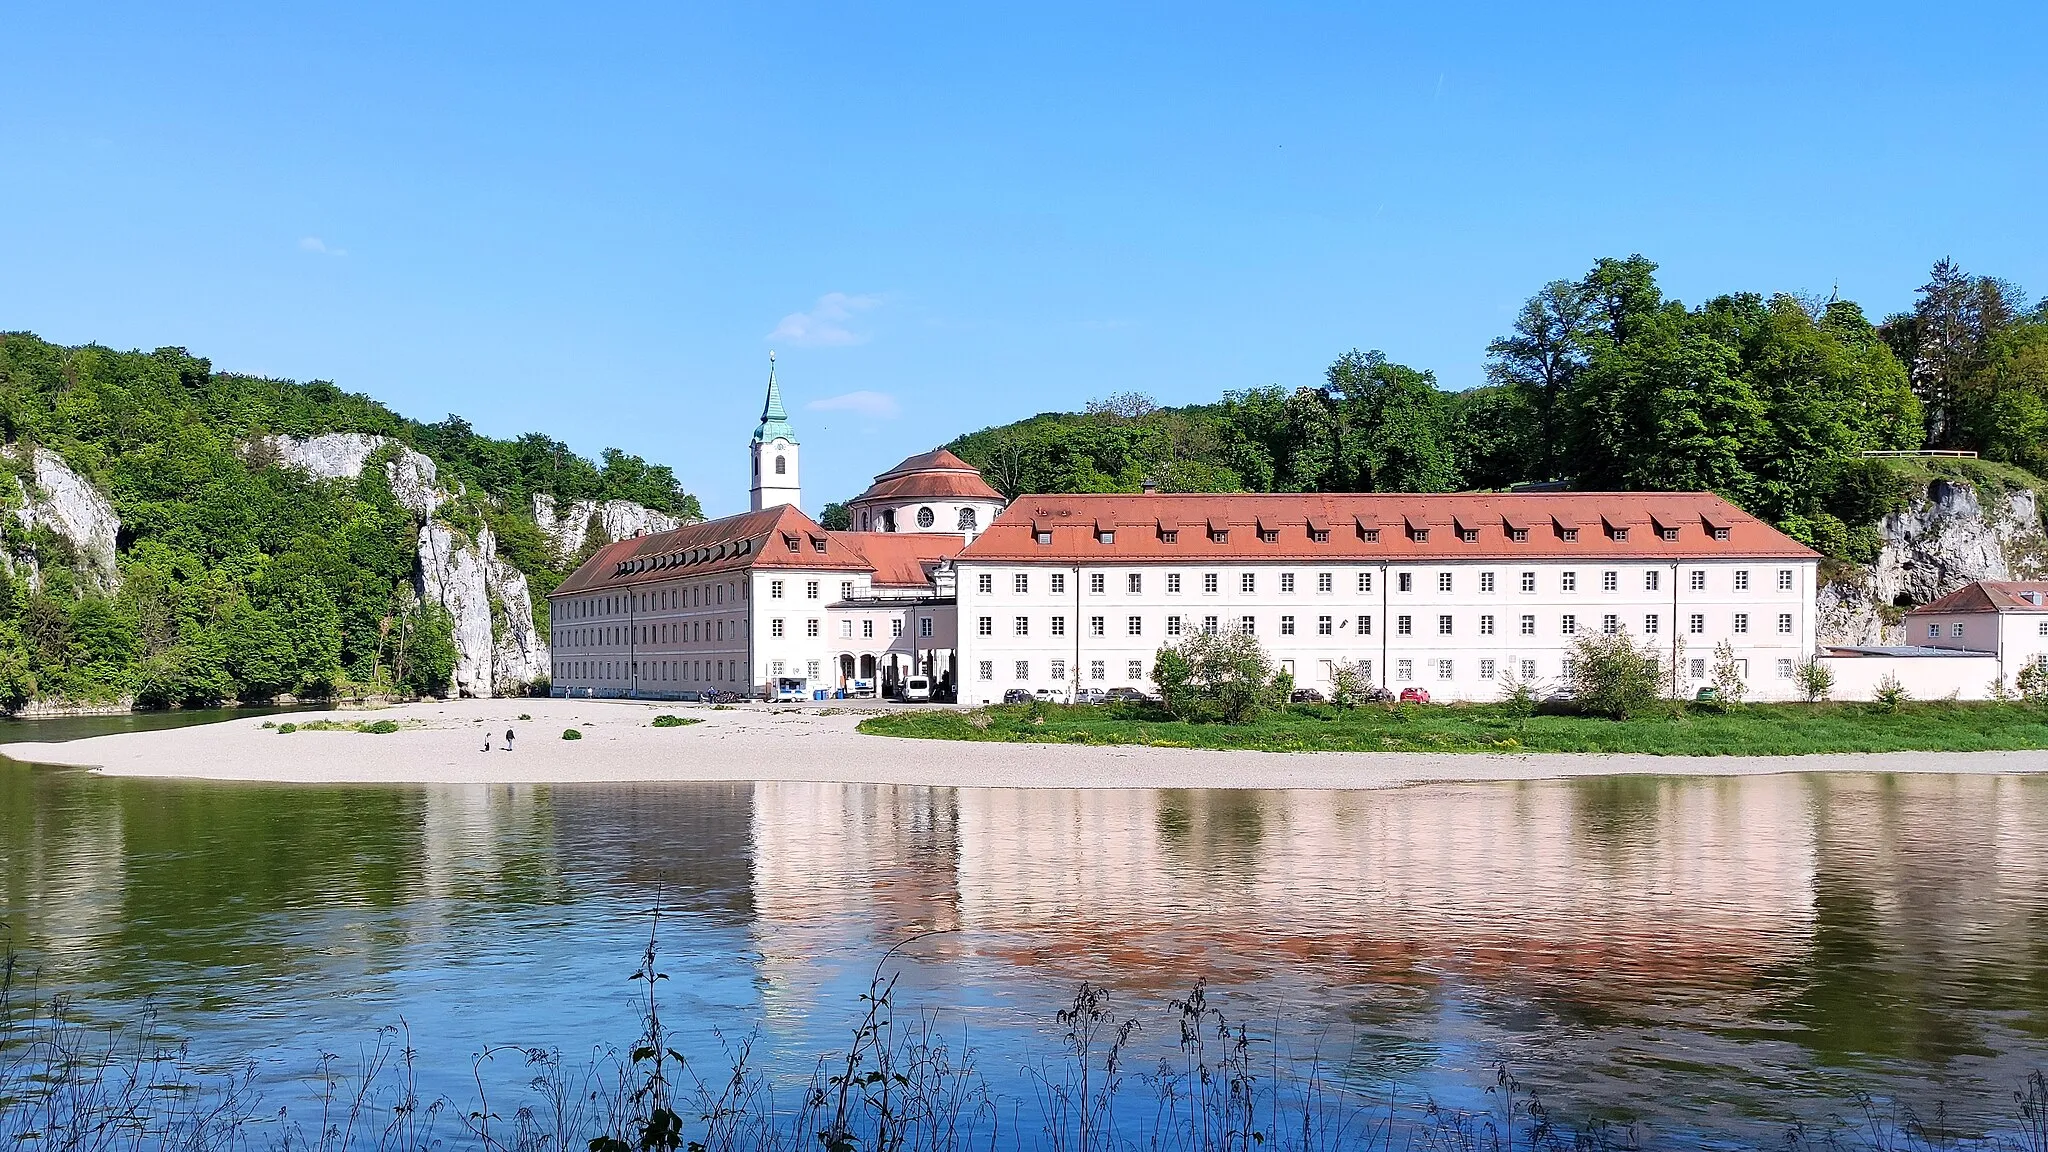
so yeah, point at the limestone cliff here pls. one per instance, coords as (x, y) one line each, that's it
(568, 527)
(1952, 532)
(497, 647)
(55, 498)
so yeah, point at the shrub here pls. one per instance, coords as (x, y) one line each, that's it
(1612, 678)
(379, 727)
(667, 721)
(287, 727)
(1517, 694)
(1349, 685)
(1890, 695)
(1225, 677)
(1729, 687)
(571, 734)
(2033, 682)
(1816, 679)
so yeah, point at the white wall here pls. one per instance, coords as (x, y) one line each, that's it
(1059, 626)
(1924, 677)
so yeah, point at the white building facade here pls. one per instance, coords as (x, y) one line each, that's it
(1454, 594)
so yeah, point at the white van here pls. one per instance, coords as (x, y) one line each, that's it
(917, 688)
(791, 690)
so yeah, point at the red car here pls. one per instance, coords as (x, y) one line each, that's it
(1414, 695)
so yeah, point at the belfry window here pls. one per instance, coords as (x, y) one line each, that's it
(781, 466)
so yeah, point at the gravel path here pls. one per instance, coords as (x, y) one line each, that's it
(442, 744)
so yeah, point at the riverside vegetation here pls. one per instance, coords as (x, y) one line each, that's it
(904, 1082)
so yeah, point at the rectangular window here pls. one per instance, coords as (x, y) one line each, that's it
(1568, 582)
(1287, 625)
(1173, 626)
(1097, 626)
(1325, 626)
(1105, 536)
(1486, 669)
(1404, 670)
(1269, 535)
(1135, 626)
(1528, 669)
(1742, 580)
(1135, 582)
(1667, 533)
(775, 667)
(1934, 631)
(1020, 583)
(1169, 535)
(1443, 581)
(1486, 625)
(1058, 581)
(1696, 580)
(1219, 535)
(1650, 580)
(1173, 581)
(1697, 667)
(1023, 669)
(1696, 624)
(1784, 668)
(1568, 668)
(1741, 623)
(1059, 670)
(1098, 670)
(1135, 670)
(985, 626)
(924, 627)
(1404, 582)
(867, 628)
(1443, 625)
(987, 670)
(896, 627)
(1651, 622)
(1248, 582)
(1610, 624)
(1404, 625)
(1528, 581)
(1097, 582)
(1209, 626)
(775, 589)
(846, 589)
(1021, 627)
(1610, 581)
(1443, 669)
(1365, 625)
(1057, 625)
(1784, 623)
(1519, 535)
(1528, 625)
(1469, 535)
(1486, 581)
(1248, 625)
(775, 627)
(1784, 579)
(1286, 582)
(1568, 624)
(1325, 582)
(986, 582)
(1365, 581)
(1209, 581)
(2042, 628)
(811, 628)
(1318, 536)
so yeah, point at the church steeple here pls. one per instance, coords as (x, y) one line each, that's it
(774, 451)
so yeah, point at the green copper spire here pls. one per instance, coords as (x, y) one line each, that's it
(774, 419)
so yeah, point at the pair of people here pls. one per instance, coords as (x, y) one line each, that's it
(508, 741)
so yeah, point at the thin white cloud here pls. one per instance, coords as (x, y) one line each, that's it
(876, 405)
(825, 325)
(316, 245)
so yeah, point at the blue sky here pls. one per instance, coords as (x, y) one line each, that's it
(597, 220)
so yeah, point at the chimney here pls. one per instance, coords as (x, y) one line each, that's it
(1147, 486)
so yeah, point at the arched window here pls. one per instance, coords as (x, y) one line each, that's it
(925, 518)
(780, 466)
(967, 520)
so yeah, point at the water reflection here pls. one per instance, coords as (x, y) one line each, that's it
(1702, 949)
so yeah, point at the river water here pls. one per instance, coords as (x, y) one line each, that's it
(1702, 956)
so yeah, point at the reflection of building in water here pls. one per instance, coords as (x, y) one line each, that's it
(1632, 878)
(689, 846)
(847, 868)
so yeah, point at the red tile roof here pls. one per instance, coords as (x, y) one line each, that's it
(902, 559)
(779, 537)
(1394, 526)
(933, 475)
(1989, 596)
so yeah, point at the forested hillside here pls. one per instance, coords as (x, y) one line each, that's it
(1604, 382)
(234, 577)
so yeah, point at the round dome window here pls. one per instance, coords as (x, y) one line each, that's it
(925, 518)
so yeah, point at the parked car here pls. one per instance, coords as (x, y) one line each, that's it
(1305, 696)
(917, 688)
(1414, 695)
(1046, 696)
(1376, 695)
(1126, 696)
(1091, 696)
(1707, 694)
(1017, 696)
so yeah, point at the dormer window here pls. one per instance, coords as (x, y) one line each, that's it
(1372, 535)
(794, 544)
(1618, 533)
(1571, 535)
(1269, 535)
(1219, 535)
(1319, 536)
(1720, 533)
(1668, 534)
(1105, 536)
(1519, 535)
(1419, 535)
(1469, 535)
(1043, 536)
(1169, 536)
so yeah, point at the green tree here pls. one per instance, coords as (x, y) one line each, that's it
(1611, 677)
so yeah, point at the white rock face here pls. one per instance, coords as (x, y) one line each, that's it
(566, 526)
(67, 504)
(343, 455)
(1949, 537)
(467, 578)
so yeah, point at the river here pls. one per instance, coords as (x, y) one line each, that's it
(1712, 957)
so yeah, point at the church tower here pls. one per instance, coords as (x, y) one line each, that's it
(774, 451)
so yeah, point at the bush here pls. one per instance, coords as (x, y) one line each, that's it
(1815, 679)
(287, 727)
(379, 727)
(1611, 678)
(1224, 677)
(1729, 688)
(1349, 685)
(571, 734)
(2033, 682)
(667, 721)
(1890, 695)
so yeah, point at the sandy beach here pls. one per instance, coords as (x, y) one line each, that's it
(443, 743)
